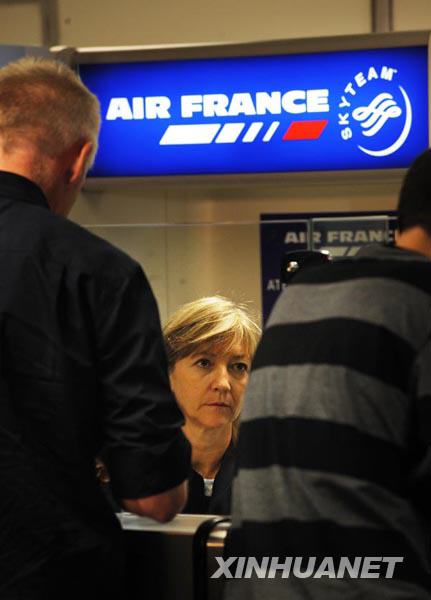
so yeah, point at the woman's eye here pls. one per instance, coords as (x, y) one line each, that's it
(203, 362)
(240, 367)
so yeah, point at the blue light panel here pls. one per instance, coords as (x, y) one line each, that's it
(360, 109)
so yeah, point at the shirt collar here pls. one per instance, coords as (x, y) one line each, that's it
(16, 187)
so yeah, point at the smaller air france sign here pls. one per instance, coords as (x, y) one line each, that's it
(364, 109)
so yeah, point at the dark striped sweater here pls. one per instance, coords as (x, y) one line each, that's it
(334, 441)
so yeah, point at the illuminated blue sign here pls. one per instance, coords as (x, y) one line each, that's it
(359, 109)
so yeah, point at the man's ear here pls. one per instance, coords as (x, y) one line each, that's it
(79, 165)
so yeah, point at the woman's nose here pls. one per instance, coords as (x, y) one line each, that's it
(221, 379)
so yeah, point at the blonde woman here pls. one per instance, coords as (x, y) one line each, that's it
(210, 343)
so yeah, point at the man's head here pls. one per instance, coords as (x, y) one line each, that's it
(414, 207)
(49, 125)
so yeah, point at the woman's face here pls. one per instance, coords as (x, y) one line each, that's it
(209, 386)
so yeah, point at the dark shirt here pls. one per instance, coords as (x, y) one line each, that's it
(219, 502)
(82, 372)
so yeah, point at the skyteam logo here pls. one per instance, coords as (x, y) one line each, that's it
(375, 112)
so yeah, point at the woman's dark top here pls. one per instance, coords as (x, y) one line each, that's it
(197, 503)
(219, 502)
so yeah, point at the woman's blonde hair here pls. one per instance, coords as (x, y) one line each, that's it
(208, 322)
(212, 321)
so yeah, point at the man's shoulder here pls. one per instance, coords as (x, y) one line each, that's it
(353, 284)
(78, 248)
(410, 269)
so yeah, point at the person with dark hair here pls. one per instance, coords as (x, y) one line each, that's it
(414, 212)
(333, 493)
(82, 364)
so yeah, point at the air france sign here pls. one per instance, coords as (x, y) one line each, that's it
(364, 109)
(341, 234)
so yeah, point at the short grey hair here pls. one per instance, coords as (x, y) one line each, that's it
(43, 101)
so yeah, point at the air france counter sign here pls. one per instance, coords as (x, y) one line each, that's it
(364, 109)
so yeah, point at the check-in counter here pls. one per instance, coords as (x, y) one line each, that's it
(174, 560)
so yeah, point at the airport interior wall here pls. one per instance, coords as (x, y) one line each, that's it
(203, 238)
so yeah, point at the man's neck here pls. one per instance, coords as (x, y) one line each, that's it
(23, 161)
(415, 239)
(43, 170)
